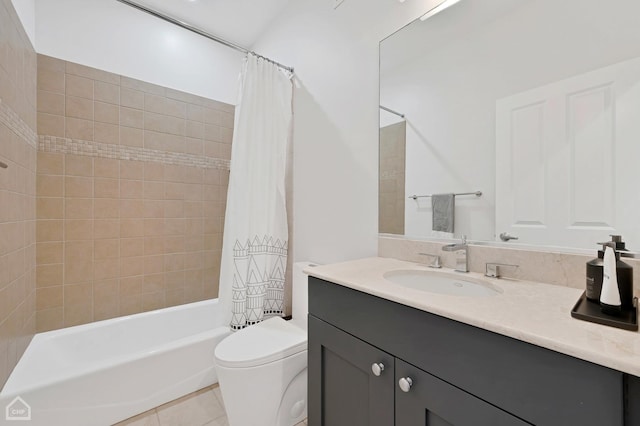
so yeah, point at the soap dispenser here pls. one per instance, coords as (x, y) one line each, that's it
(610, 302)
(624, 274)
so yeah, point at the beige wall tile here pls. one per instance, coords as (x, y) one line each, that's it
(131, 170)
(131, 189)
(166, 106)
(50, 63)
(106, 167)
(49, 253)
(153, 227)
(152, 301)
(131, 304)
(78, 229)
(106, 133)
(153, 282)
(51, 81)
(130, 136)
(131, 208)
(92, 73)
(130, 247)
(131, 98)
(106, 113)
(153, 171)
(49, 208)
(49, 186)
(76, 128)
(153, 245)
(107, 92)
(78, 187)
(76, 165)
(51, 125)
(130, 117)
(79, 108)
(106, 249)
(49, 275)
(78, 294)
(49, 230)
(164, 124)
(106, 228)
(132, 228)
(106, 299)
(50, 102)
(106, 208)
(195, 113)
(79, 86)
(49, 319)
(78, 208)
(106, 188)
(105, 269)
(144, 86)
(77, 314)
(49, 297)
(50, 164)
(154, 190)
(130, 286)
(153, 209)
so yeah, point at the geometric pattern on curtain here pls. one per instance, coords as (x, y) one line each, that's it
(258, 280)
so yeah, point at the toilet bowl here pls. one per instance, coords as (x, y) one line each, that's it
(262, 369)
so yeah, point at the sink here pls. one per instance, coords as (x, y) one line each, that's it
(441, 283)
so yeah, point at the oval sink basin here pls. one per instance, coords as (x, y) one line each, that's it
(440, 283)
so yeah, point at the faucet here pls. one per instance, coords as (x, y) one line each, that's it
(462, 258)
(492, 270)
(435, 263)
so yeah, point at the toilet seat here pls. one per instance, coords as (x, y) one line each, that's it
(260, 344)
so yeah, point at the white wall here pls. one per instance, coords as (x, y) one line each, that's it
(26, 10)
(109, 35)
(335, 55)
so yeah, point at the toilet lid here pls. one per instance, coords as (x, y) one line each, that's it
(260, 344)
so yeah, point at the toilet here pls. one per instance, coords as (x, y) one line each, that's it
(262, 369)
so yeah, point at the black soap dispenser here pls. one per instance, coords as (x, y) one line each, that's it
(624, 273)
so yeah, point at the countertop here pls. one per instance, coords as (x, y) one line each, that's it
(532, 312)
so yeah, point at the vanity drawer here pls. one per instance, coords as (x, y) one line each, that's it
(538, 385)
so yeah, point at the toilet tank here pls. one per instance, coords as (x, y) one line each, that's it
(300, 293)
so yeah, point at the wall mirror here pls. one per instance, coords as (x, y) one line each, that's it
(535, 103)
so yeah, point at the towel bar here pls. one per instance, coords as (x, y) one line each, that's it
(477, 194)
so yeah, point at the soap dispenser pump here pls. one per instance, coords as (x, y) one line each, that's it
(610, 296)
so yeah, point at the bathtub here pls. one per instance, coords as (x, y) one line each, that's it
(107, 371)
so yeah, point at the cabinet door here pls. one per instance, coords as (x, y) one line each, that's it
(433, 402)
(343, 388)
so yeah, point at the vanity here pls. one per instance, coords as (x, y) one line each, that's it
(383, 353)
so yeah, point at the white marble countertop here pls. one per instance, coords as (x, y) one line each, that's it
(532, 312)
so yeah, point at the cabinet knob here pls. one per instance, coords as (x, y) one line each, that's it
(377, 368)
(405, 384)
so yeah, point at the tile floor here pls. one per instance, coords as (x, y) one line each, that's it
(202, 408)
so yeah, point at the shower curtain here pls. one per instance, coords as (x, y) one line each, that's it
(254, 248)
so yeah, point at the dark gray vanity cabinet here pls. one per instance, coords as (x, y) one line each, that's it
(458, 374)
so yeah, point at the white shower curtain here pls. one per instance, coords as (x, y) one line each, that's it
(254, 248)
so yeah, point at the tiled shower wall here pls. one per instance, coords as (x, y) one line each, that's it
(131, 194)
(18, 141)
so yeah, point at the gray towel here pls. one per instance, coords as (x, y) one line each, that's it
(443, 208)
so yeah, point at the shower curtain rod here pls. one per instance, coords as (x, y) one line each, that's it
(391, 111)
(200, 32)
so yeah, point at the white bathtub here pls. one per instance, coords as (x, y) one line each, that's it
(107, 371)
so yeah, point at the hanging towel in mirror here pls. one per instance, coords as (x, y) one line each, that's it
(443, 208)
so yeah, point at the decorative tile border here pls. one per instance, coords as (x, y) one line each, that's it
(9, 118)
(119, 152)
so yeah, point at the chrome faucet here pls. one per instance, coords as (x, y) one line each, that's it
(435, 263)
(494, 270)
(462, 251)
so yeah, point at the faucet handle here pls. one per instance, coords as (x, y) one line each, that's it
(492, 270)
(436, 260)
(464, 239)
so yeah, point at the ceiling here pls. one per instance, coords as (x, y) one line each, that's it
(238, 21)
